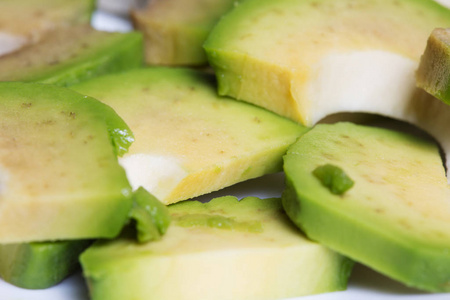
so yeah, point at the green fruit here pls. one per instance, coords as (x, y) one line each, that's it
(308, 59)
(40, 265)
(72, 54)
(433, 74)
(23, 22)
(59, 175)
(219, 256)
(189, 141)
(395, 218)
(151, 216)
(175, 30)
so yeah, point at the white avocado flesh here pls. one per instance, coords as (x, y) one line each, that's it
(188, 140)
(308, 59)
(395, 217)
(225, 249)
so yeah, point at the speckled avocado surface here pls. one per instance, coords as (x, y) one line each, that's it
(395, 218)
(245, 249)
(72, 54)
(188, 140)
(433, 74)
(59, 175)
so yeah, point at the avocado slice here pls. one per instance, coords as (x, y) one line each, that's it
(394, 219)
(433, 74)
(72, 54)
(59, 175)
(40, 265)
(150, 215)
(310, 59)
(226, 245)
(175, 30)
(38, 18)
(189, 141)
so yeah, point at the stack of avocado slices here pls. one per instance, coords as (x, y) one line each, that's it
(102, 158)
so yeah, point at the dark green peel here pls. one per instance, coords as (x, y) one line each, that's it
(334, 178)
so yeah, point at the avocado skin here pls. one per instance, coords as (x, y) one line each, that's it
(40, 265)
(411, 260)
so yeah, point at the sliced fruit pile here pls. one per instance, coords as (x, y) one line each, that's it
(92, 172)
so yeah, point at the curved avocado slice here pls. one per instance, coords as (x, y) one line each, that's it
(188, 140)
(218, 248)
(37, 18)
(72, 54)
(433, 74)
(59, 175)
(40, 265)
(309, 59)
(175, 30)
(396, 216)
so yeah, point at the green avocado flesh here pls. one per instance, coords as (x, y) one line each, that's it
(72, 54)
(40, 265)
(305, 58)
(433, 74)
(232, 263)
(175, 30)
(151, 216)
(334, 178)
(59, 175)
(188, 140)
(395, 218)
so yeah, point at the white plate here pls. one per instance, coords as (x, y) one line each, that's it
(364, 283)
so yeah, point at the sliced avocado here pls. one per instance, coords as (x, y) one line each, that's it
(189, 141)
(25, 21)
(59, 175)
(204, 260)
(72, 54)
(150, 215)
(175, 30)
(40, 265)
(309, 59)
(394, 219)
(433, 74)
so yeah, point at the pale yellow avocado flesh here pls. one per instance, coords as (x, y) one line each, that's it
(310, 59)
(188, 140)
(394, 219)
(175, 30)
(433, 74)
(247, 250)
(25, 21)
(59, 175)
(72, 54)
